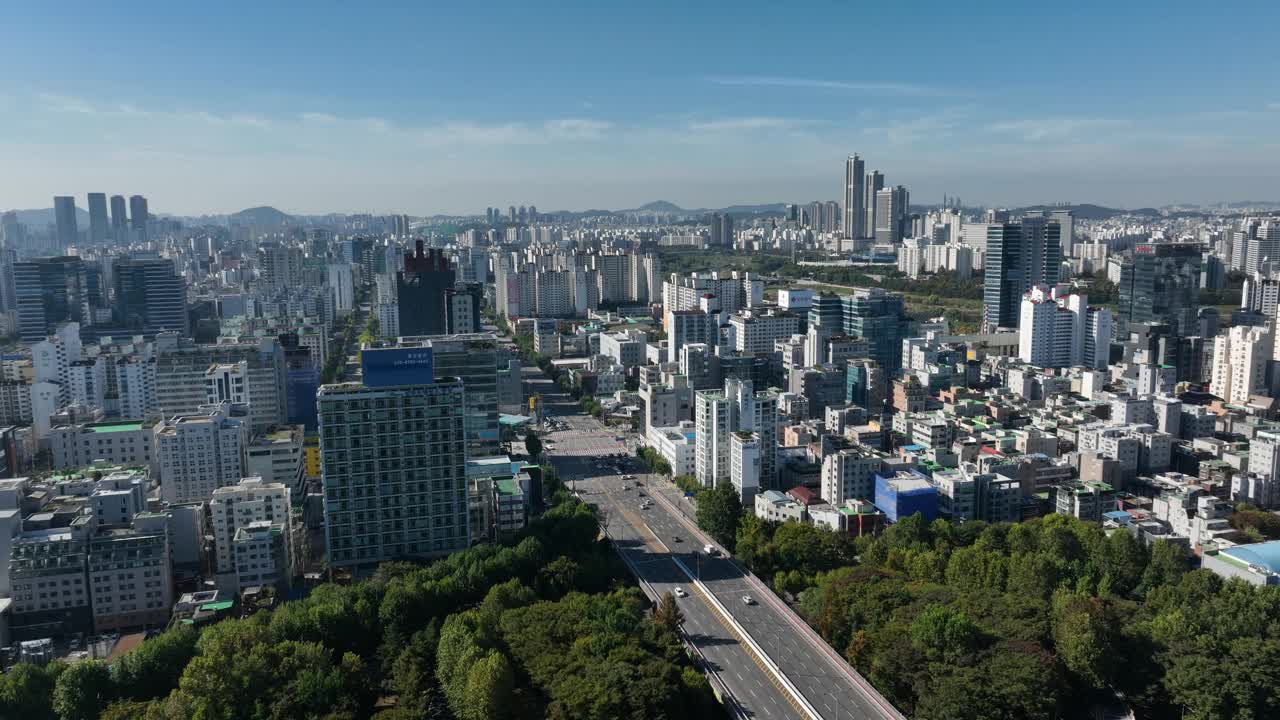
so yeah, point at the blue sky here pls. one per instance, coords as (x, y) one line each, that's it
(451, 107)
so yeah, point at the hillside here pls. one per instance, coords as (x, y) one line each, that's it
(264, 215)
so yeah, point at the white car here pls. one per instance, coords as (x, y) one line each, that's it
(748, 600)
(681, 593)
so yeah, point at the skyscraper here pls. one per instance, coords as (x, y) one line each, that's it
(64, 215)
(420, 291)
(393, 464)
(49, 291)
(891, 214)
(854, 197)
(150, 296)
(1161, 283)
(875, 183)
(880, 318)
(1019, 256)
(119, 219)
(138, 211)
(97, 218)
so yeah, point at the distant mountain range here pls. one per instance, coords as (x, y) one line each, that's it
(41, 217)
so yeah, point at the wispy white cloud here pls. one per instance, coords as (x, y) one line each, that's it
(1055, 127)
(317, 117)
(907, 89)
(1273, 106)
(743, 124)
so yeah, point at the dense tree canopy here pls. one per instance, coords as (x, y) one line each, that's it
(462, 638)
(1040, 619)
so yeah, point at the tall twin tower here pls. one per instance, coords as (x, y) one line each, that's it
(855, 194)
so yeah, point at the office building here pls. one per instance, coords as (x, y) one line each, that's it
(721, 230)
(139, 215)
(122, 442)
(97, 219)
(393, 469)
(473, 359)
(182, 377)
(965, 494)
(880, 318)
(199, 453)
(1161, 283)
(854, 197)
(130, 579)
(462, 308)
(64, 216)
(1019, 256)
(50, 291)
(420, 291)
(150, 296)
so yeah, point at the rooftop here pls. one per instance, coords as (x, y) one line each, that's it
(1265, 555)
(114, 427)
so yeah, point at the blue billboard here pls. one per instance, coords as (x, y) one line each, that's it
(383, 367)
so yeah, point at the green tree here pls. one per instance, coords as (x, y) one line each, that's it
(719, 512)
(153, 668)
(26, 691)
(1082, 638)
(532, 445)
(944, 632)
(82, 690)
(668, 614)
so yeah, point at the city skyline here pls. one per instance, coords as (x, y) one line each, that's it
(449, 112)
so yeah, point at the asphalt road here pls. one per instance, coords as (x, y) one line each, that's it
(586, 456)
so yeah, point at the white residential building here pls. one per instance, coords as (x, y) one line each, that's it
(197, 454)
(719, 414)
(236, 507)
(1240, 358)
(850, 475)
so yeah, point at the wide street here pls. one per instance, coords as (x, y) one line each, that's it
(768, 659)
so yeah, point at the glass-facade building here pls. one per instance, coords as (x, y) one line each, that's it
(1019, 255)
(1161, 283)
(880, 318)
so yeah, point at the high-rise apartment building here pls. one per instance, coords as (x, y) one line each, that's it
(119, 219)
(150, 296)
(393, 461)
(342, 285)
(139, 215)
(1240, 357)
(718, 416)
(891, 214)
(1057, 329)
(97, 219)
(855, 201)
(64, 217)
(874, 184)
(1019, 256)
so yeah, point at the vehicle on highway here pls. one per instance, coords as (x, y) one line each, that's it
(748, 600)
(680, 592)
(628, 477)
(676, 538)
(711, 550)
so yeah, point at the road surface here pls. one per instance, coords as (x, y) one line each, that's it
(766, 657)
